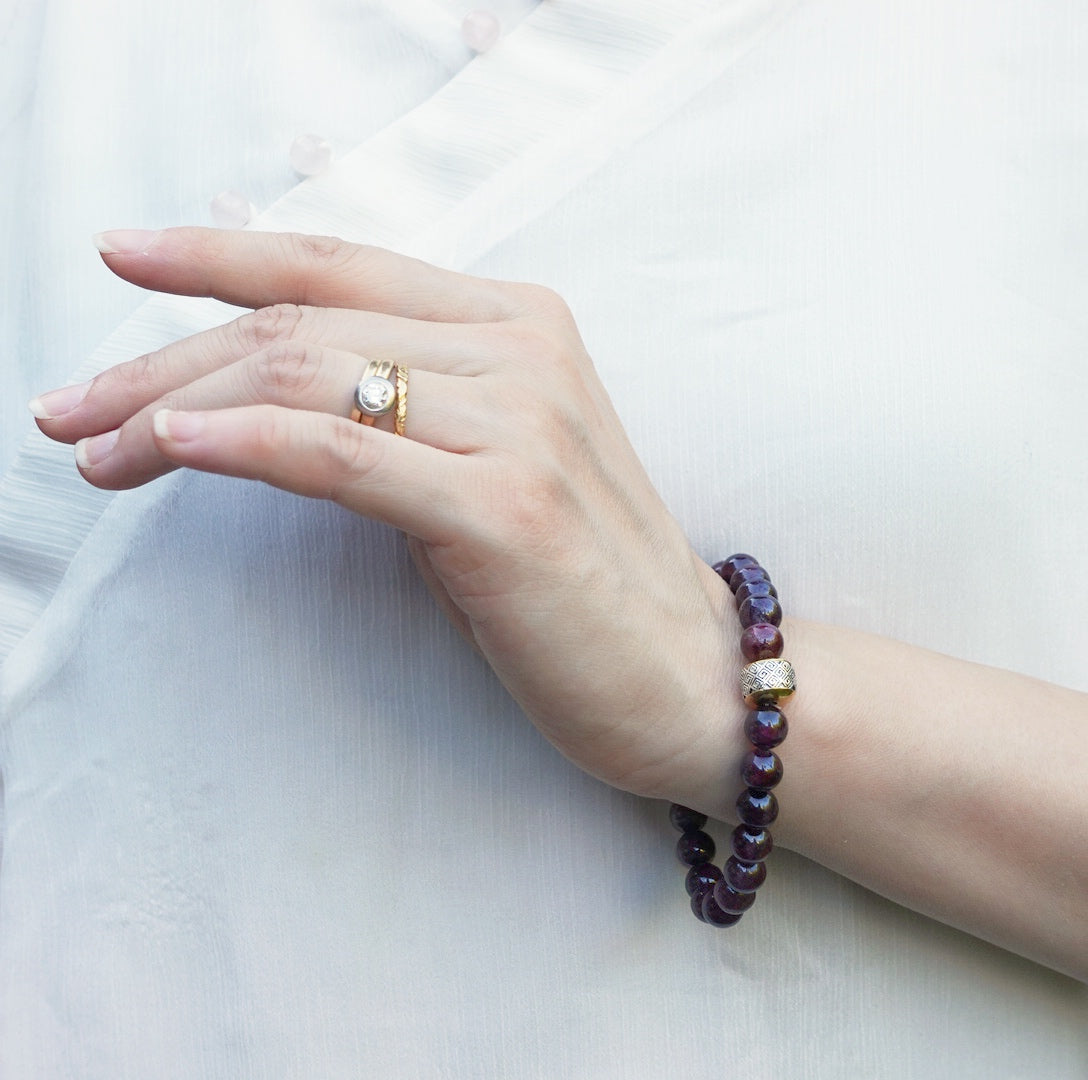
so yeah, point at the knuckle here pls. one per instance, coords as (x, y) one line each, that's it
(532, 499)
(347, 458)
(527, 341)
(552, 429)
(541, 300)
(286, 368)
(328, 252)
(142, 373)
(561, 428)
(268, 435)
(277, 322)
(551, 378)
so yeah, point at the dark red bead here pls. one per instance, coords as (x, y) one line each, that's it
(757, 808)
(697, 906)
(761, 769)
(685, 819)
(761, 641)
(694, 848)
(715, 916)
(751, 845)
(760, 609)
(702, 877)
(765, 728)
(743, 876)
(728, 899)
(728, 567)
(747, 573)
(755, 588)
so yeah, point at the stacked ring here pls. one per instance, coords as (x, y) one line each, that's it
(401, 415)
(375, 394)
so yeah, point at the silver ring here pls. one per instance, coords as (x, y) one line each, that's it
(376, 394)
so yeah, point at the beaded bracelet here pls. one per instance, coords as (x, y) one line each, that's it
(720, 897)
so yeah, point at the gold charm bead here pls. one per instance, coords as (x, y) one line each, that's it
(761, 678)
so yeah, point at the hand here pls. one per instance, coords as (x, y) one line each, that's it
(541, 537)
(526, 509)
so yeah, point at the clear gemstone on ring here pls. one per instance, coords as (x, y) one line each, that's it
(375, 395)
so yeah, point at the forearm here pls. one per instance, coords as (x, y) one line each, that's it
(958, 790)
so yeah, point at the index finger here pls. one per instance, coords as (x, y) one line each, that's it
(259, 269)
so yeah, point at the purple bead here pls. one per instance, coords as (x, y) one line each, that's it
(760, 609)
(765, 728)
(751, 845)
(755, 588)
(684, 819)
(715, 916)
(761, 769)
(761, 641)
(728, 567)
(697, 906)
(701, 878)
(757, 808)
(728, 899)
(747, 573)
(694, 848)
(745, 877)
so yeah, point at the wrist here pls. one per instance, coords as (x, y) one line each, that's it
(703, 775)
(706, 778)
(816, 724)
(720, 896)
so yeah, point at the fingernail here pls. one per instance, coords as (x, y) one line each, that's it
(58, 402)
(177, 426)
(93, 451)
(125, 241)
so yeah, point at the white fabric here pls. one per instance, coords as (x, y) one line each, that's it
(264, 814)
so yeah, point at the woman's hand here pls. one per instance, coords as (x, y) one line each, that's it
(540, 535)
(526, 509)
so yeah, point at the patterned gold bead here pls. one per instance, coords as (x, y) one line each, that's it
(767, 677)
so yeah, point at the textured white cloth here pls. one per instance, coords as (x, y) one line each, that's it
(264, 814)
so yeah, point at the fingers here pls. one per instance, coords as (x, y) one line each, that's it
(408, 485)
(120, 392)
(293, 375)
(256, 269)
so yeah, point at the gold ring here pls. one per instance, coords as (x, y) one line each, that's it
(375, 394)
(402, 400)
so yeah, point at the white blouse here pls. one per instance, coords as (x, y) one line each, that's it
(264, 813)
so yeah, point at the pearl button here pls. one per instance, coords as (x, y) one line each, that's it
(231, 209)
(310, 154)
(480, 30)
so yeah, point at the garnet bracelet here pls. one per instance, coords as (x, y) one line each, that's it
(720, 897)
